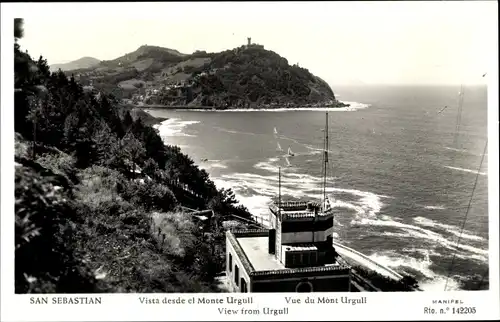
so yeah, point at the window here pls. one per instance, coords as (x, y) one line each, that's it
(243, 286)
(230, 262)
(296, 259)
(236, 274)
(306, 258)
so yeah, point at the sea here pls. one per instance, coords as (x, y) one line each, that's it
(403, 165)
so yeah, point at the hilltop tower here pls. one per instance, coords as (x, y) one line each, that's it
(249, 39)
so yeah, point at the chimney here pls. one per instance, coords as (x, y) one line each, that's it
(272, 241)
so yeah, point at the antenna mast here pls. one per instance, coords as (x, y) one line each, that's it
(325, 160)
(279, 192)
(459, 115)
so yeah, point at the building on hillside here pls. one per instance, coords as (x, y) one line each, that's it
(203, 218)
(295, 254)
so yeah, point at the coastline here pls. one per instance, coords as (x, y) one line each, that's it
(146, 117)
(342, 105)
(349, 106)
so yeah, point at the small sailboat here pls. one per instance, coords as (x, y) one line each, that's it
(275, 131)
(288, 164)
(290, 152)
(279, 147)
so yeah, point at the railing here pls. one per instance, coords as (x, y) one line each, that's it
(185, 188)
(260, 220)
(390, 272)
(364, 283)
(252, 221)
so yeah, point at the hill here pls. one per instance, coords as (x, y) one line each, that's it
(84, 62)
(244, 77)
(102, 204)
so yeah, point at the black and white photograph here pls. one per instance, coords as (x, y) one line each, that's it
(251, 147)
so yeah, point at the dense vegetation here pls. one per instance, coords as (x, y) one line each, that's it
(98, 195)
(253, 76)
(248, 76)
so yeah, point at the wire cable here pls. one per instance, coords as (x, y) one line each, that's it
(466, 214)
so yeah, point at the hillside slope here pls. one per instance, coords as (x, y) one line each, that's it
(243, 77)
(84, 62)
(101, 200)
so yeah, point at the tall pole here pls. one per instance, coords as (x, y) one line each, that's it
(279, 192)
(459, 115)
(325, 160)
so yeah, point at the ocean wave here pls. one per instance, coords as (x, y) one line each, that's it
(393, 260)
(366, 207)
(174, 127)
(462, 151)
(448, 228)
(404, 263)
(433, 239)
(234, 131)
(434, 207)
(207, 165)
(219, 165)
(256, 192)
(299, 186)
(422, 251)
(456, 150)
(467, 170)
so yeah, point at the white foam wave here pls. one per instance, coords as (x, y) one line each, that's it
(212, 165)
(257, 204)
(422, 251)
(391, 260)
(173, 127)
(219, 165)
(438, 283)
(234, 131)
(366, 208)
(456, 150)
(432, 281)
(354, 106)
(466, 170)
(449, 228)
(434, 239)
(296, 185)
(462, 151)
(434, 207)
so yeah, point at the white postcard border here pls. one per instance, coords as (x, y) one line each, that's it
(379, 306)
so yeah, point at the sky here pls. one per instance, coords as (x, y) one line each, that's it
(342, 42)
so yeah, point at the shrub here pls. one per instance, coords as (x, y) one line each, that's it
(46, 259)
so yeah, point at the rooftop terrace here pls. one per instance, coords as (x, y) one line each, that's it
(299, 209)
(255, 249)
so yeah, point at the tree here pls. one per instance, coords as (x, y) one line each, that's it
(18, 29)
(128, 120)
(133, 150)
(105, 140)
(151, 168)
